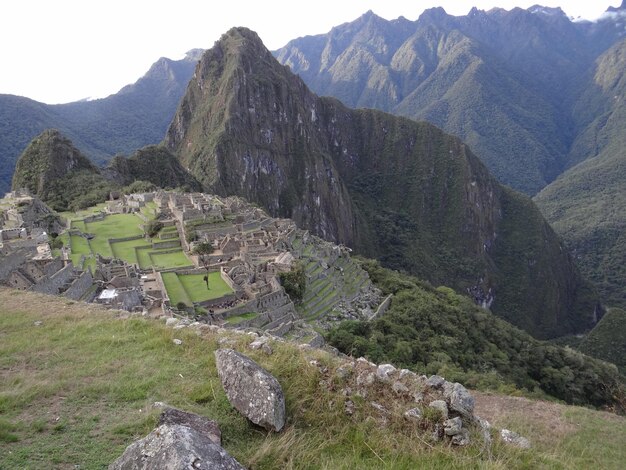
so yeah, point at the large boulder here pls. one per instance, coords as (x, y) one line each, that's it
(253, 391)
(175, 446)
(203, 425)
(460, 400)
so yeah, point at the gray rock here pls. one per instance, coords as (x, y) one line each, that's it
(447, 388)
(267, 349)
(379, 407)
(514, 439)
(177, 447)
(172, 321)
(177, 341)
(384, 372)
(349, 407)
(485, 428)
(345, 371)
(461, 439)
(414, 414)
(180, 326)
(259, 342)
(252, 390)
(453, 426)
(365, 378)
(407, 373)
(201, 424)
(440, 405)
(418, 397)
(435, 381)
(460, 400)
(437, 432)
(399, 388)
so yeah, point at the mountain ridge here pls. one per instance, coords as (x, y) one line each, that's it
(521, 70)
(390, 187)
(135, 116)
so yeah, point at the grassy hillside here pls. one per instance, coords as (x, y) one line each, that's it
(608, 339)
(78, 387)
(441, 332)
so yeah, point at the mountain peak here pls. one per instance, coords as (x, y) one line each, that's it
(621, 8)
(194, 54)
(436, 13)
(48, 157)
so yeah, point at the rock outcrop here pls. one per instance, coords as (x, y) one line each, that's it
(253, 391)
(182, 440)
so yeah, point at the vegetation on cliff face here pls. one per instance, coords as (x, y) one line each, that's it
(607, 340)
(61, 176)
(80, 386)
(440, 332)
(587, 204)
(532, 93)
(394, 189)
(506, 82)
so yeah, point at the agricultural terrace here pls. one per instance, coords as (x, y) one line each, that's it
(189, 288)
(162, 252)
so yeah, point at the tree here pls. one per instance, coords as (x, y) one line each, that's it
(204, 250)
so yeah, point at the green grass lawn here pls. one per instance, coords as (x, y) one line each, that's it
(79, 225)
(149, 210)
(116, 226)
(122, 226)
(236, 319)
(175, 289)
(175, 259)
(190, 288)
(196, 287)
(126, 250)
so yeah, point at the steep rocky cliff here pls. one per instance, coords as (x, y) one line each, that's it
(402, 191)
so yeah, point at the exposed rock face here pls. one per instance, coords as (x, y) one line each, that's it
(460, 400)
(252, 390)
(393, 189)
(177, 446)
(204, 426)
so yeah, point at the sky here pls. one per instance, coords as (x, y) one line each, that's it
(57, 51)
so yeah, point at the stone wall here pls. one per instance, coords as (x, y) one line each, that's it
(52, 284)
(14, 260)
(80, 286)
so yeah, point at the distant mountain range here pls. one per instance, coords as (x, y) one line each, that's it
(509, 83)
(136, 116)
(531, 92)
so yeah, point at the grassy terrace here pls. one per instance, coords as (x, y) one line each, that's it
(138, 251)
(188, 288)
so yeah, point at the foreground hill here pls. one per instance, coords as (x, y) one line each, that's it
(80, 383)
(136, 116)
(55, 171)
(393, 189)
(507, 82)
